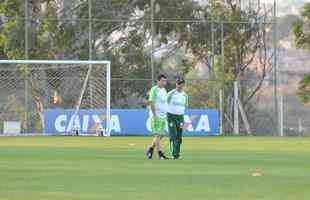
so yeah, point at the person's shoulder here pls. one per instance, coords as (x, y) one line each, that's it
(153, 88)
(172, 91)
(185, 94)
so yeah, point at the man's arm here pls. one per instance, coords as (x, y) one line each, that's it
(152, 106)
(151, 101)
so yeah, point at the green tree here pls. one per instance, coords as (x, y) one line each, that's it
(302, 40)
(304, 89)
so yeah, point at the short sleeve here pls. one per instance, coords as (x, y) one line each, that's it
(153, 94)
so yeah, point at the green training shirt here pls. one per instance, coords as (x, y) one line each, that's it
(159, 97)
(177, 102)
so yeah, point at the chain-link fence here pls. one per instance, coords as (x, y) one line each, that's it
(294, 65)
(222, 48)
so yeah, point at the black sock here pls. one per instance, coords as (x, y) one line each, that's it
(150, 150)
(161, 154)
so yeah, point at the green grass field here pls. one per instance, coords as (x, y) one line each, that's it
(64, 168)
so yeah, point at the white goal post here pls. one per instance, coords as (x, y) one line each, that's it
(31, 88)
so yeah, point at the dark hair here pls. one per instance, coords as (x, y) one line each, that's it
(160, 76)
(180, 81)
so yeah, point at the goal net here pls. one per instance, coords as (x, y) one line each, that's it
(55, 97)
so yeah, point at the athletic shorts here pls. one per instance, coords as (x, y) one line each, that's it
(158, 125)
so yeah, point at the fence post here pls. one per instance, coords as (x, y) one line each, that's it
(221, 97)
(26, 66)
(236, 108)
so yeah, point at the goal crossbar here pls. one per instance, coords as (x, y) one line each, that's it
(84, 62)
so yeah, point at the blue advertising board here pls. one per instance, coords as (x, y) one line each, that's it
(200, 122)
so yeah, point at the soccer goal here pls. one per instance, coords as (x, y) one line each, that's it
(55, 97)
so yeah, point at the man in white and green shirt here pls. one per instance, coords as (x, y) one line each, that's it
(158, 115)
(177, 103)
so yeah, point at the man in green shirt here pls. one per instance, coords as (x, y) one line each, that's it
(158, 115)
(177, 103)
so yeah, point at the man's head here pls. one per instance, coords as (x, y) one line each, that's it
(161, 80)
(180, 83)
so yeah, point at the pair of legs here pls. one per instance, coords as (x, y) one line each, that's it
(155, 145)
(175, 123)
(156, 142)
(158, 126)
